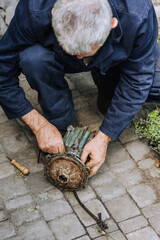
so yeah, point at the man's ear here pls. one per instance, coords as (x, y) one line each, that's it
(114, 22)
(52, 11)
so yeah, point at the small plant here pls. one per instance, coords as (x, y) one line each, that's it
(150, 128)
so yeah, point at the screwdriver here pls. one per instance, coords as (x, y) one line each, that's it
(21, 168)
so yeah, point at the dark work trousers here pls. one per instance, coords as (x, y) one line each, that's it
(46, 75)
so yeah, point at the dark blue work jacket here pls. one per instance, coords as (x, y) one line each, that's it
(131, 44)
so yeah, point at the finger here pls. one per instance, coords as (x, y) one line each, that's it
(62, 149)
(84, 155)
(93, 171)
(91, 163)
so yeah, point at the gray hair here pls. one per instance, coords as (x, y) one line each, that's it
(81, 24)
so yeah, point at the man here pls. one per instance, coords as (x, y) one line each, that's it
(114, 39)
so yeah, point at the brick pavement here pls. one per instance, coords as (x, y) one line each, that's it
(125, 189)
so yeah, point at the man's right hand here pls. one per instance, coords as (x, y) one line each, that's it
(48, 137)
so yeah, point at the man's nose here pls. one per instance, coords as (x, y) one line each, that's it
(79, 56)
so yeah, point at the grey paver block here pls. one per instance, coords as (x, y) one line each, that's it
(94, 229)
(6, 170)
(114, 235)
(128, 134)
(116, 153)
(24, 215)
(122, 208)
(155, 222)
(87, 116)
(143, 195)
(94, 206)
(55, 209)
(51, 195)
(108, 191)
(146, 233)
(133, 224)
(35, 230)
(9, 128)
(1, 150)
(154, 172)
(3, 158)
(67, 227)
(6, 230)
(83, 238)
(80, 103)
(105, 177)
(12, 187)
(130, 178)
(151, 210)
(18, 202)
(1, 204)
(15, 143)
(146, 163)
(3, 215)
(123, 166)
(84, 195)
(138, 149)
(38, 183)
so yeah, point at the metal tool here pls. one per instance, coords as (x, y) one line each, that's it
(20, 167)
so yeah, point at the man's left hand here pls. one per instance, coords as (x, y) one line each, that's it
(96, 149)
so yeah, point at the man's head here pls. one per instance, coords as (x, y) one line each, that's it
(82, 25)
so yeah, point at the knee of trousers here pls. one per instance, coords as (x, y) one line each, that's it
(34, 59)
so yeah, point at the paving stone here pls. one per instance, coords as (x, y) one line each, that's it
(154, 172)
(121, 167)
(155, 222)
(48, 196)
(94, 206)
(1, 204)
(9, 128)
(122, 208)
(130, 178)
(1, 151)
(15, 143)
(3, 118)
(85, 195)
(94, 229)
(146, 163)
(6, 170)
(146, 233)
(3, 158)
(24, 215)
(67, 227)
(104, 177)
(151, 210)
(138, 149)
(3, 215)
(6, 230)
(18, 202)
(55, 209)
(37, 183)
(128, 134)
(108, 191)
(133, 224)
(80, 103)
(114, 235)
(116, 153)
(83, 238)
(35, 230)
(87, 116)
(143, 195)
(12, 187)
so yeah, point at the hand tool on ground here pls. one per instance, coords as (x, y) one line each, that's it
(20, 167)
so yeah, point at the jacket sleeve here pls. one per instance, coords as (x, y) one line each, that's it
(136, 79)
(18, 36)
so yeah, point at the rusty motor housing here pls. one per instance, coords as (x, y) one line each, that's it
(65, 170)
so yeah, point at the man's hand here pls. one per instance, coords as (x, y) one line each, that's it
(96, 149)
(48, 137)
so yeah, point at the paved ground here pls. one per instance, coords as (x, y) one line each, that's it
(125, 190)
